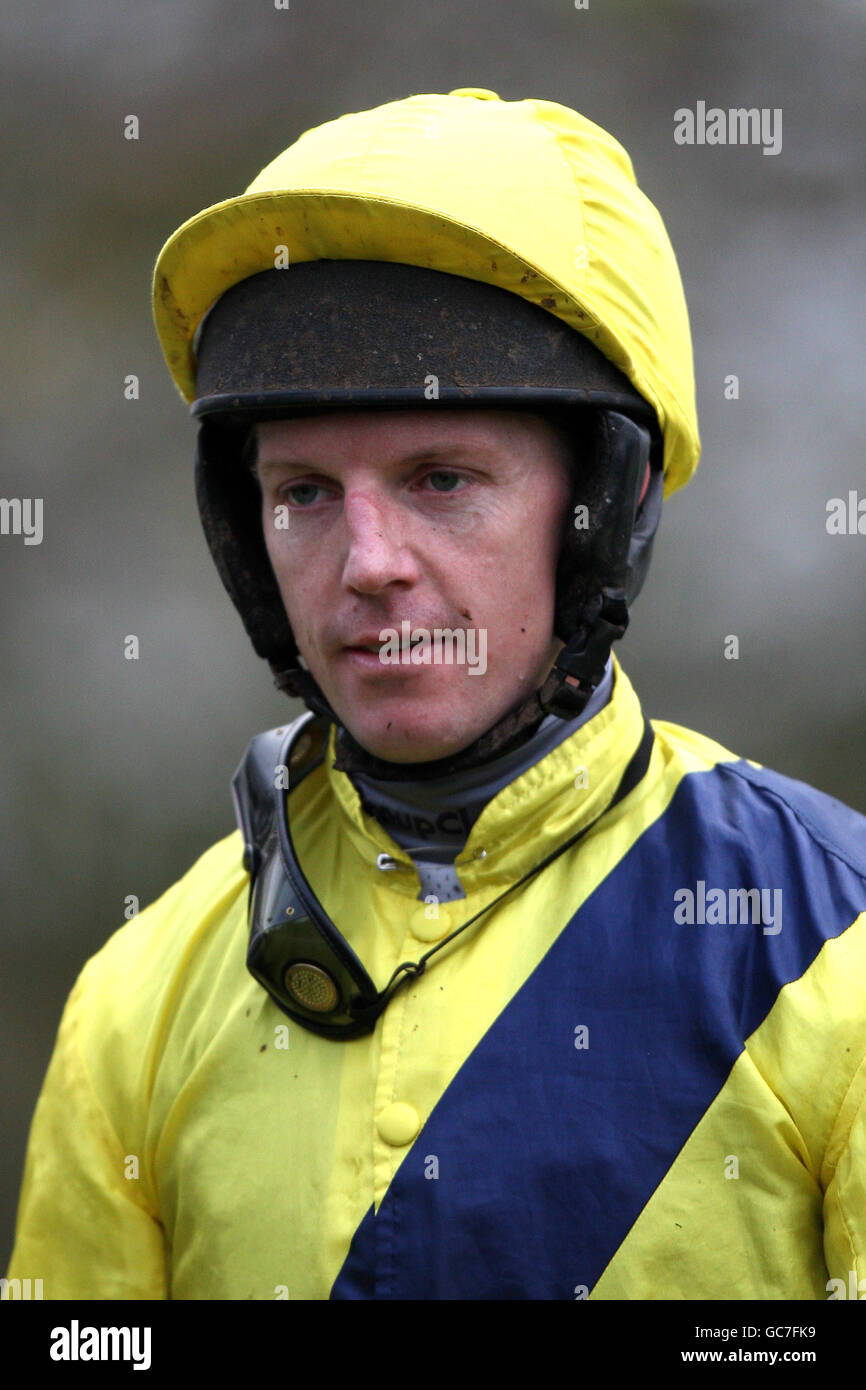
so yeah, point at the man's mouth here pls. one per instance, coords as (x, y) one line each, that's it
(415, 640)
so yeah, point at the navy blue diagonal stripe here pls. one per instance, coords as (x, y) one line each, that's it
(548, 1153)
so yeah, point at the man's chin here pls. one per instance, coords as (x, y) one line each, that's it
(396, 742)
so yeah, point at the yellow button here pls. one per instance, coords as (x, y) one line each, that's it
(482, 93)
(425, 925)
(398, 1124)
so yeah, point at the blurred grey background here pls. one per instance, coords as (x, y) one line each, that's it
(116, 773)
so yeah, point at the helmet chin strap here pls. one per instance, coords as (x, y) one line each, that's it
(577, 670)
(513, 729)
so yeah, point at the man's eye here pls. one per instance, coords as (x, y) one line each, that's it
(443, 480)
(302, 494)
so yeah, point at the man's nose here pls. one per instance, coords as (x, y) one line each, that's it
(377, 549)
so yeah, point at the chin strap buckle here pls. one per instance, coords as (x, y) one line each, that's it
(580, 666)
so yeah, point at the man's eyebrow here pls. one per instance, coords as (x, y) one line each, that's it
(273, 464)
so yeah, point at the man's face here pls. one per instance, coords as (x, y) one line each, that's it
(446, 521)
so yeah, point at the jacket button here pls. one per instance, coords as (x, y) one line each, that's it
(425, 928)
(398, 1124)
(481, 93)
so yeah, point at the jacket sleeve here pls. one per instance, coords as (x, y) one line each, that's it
(85, 1226)
(845, 1196)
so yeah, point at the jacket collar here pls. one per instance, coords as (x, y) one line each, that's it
(546, 804)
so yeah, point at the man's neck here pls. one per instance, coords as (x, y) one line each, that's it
(431, 817)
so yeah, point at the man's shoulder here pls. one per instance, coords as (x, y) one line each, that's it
(760, 806)
(175, 935)
(838, 828)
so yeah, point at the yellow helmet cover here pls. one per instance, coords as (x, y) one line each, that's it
(526, 195)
